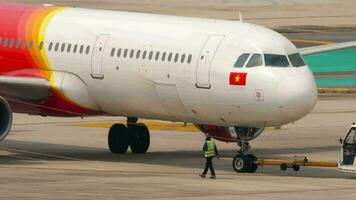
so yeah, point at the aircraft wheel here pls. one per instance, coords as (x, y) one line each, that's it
(296, 167)
(139, 138)
(239, 163)
(252, 166)
(118, 139)
(283, 167)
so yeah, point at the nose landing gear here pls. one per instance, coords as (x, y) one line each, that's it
(134, 135)
(244, 163)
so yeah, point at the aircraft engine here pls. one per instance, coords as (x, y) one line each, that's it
(5, 118)
(231, 134)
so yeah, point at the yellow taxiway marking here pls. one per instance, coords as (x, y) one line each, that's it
(150, 125)
(312, 41)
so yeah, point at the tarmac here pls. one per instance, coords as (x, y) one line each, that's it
(65, 158)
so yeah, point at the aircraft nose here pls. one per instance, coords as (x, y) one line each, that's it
(296, 96)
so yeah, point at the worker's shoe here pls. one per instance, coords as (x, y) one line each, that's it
(213, 177)
(202, 175)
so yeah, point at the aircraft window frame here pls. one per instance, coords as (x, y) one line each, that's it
(275, 56)
(190, 57)
(150, 56)
(0, 41)
(170, 56)
(56, 47)
(164, 56)
(18, 43)
(69, 48)
(81, 49)
(254, 63)
(63, 47)
(132, 53)
(75, 48)
(157, 56)
(118, 54)
(5, 42)
(125, 53)
(31, 44)
(144, 54)
(24, 44)
(351, 133)
(176, 57)
(138, 54)
(40, 46)
(87, 50)
(182, 59)
(50, 46)
(11, 43)
(113, 51)
(298, 62)
(243, 59)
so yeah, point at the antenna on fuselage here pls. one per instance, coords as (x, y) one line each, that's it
(240, 16)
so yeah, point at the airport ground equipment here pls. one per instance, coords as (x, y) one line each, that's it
(347, 162)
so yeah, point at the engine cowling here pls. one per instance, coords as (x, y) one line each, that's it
(231, 134)
(5, 118)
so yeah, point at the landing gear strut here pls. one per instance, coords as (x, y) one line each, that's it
(136, 136)
(244, 163)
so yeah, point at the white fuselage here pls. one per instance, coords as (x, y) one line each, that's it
(197, 91)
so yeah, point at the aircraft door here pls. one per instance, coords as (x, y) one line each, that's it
(205, 59)
(97, 57)
(349, 147)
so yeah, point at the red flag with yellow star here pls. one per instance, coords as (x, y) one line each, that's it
(237, 78)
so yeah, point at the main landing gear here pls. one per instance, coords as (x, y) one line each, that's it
(243, 163)
(134, 135)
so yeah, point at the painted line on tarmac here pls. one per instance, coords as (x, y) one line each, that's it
(40, 154)
(312, 41)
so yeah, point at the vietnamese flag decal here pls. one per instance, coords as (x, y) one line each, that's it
(237, 78)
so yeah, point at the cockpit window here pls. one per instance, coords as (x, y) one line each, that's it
(274, 60)
(242, 60)
(255, 60)
(296, 60)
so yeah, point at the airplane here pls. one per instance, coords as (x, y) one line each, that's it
(231, 79)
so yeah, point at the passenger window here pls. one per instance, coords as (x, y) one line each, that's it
(157, 55)
(69, 48)
(170, 57)
(190, 59)
(30, 46)
(138, 54)
(56, 47)
(40, 47)
(144, 54)
(125, 53)
(18, 43)
(296, 60)
(150, 56)
(242, 60)
(132, 53)
(49, 46)
(0, 40)
(81, 49)
(119, 53)
(255, 60)
(164, 56)
(24, 44)
(87, 50)
(75, 48)
(12, 42)
(182, 59)
(113, 52)
(274, 60)
(5, 42)
(63, 47)
(176, 58)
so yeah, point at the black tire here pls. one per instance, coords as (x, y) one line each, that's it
(251, 161)
(283, 167)
(239, 163)
(296, 168)
(118, 139)
(139, 138)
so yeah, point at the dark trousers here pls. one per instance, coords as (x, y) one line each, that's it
(209, 165)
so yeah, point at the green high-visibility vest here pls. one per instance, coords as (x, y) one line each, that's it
(210, 152)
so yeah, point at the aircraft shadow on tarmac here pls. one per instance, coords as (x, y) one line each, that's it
(27, 153)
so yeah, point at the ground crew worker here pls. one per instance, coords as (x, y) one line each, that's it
(210, 151)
